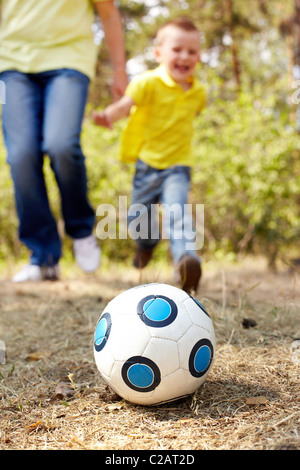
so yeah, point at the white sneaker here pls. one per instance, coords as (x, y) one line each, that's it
(30, 272)
(87, 253)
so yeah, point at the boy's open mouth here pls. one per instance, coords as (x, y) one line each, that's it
(182, 68)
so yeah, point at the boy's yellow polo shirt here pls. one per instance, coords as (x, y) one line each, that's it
(40, 35)
(159, 130)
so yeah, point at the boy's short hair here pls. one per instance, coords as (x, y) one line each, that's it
(183, 22)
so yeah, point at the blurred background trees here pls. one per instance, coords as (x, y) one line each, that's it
(246, 143)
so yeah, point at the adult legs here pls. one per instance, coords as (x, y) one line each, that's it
(43, 114)
(64, 103)
(22, 128)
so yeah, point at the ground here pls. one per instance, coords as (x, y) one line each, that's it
(52, 396)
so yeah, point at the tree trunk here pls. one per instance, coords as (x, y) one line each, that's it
(234, 50)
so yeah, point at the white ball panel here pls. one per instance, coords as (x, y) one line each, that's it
(164, 353)
(128, 337)
(176, 385)
(104, 360)
(177, 328)
(197, 315)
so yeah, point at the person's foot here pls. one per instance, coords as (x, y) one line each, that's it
(142, 257)
(30, 272)
(189, 273)
(35, 273)
(294, 265)
(51, 273)
(87, 253)
(296, 262)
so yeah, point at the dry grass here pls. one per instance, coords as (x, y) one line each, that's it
(51, 395)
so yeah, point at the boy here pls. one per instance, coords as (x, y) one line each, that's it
(162, 104)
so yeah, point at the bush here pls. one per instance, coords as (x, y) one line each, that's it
(247, 175)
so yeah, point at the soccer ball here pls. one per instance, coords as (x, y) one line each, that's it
(153, 344)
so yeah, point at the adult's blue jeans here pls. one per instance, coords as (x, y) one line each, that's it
(43, 116)
(167, 189)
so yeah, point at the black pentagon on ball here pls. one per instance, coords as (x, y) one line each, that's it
(157, 310)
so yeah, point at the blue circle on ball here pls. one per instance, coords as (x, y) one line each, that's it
(157, 310)
(201, 357)
(102, 331)
(141, 374)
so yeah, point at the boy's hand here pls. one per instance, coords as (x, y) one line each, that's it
(101, 119)
(119, 84)
(113, 112)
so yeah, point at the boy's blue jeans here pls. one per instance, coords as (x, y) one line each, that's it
(43, 115)
(170, 188)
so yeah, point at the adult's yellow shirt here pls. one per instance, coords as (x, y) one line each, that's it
(160, 128)
(41, 35)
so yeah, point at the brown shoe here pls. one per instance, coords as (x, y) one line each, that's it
(189, 270)
(296, 262)
(294, 265)
(142, 257)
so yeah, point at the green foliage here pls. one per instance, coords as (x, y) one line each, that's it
(8, 225)
(247, 175)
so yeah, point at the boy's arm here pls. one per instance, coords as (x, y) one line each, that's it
(113, 112)
(114, 38)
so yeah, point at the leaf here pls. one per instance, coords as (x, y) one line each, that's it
(30, 427)
(113, 407)
(248, 323)
(185, 420)
(256, 401)
(37, 355)
(63, 391)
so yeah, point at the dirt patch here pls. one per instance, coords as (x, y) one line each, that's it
(52, 397)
